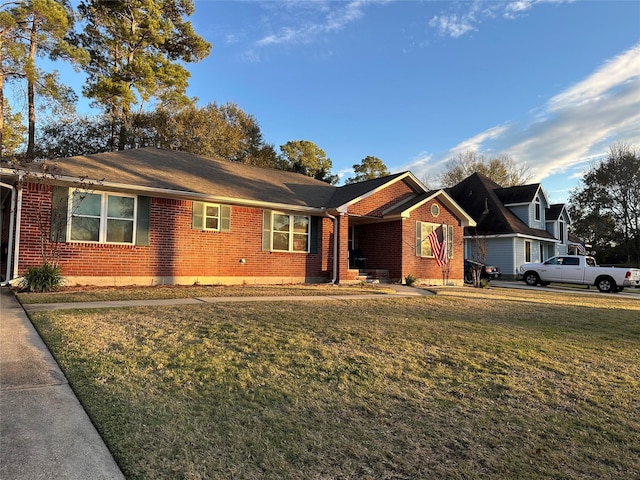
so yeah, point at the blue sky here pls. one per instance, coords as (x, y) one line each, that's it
(550, 83)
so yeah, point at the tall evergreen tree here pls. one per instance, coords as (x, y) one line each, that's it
(41, 28)
(11, 51)
(135, 48)
(369, 168)
(305, 157)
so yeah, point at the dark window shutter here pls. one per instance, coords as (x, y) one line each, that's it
(143, 222)
(266, 230)
(198, 216)
(314, 234)
(59, 211)
(225, 218)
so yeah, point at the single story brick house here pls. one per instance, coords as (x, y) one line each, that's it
(154, 216)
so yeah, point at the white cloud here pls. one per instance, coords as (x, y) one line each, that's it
(470, 15)
(573, 128)
(323, 18)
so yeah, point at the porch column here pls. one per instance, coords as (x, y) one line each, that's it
(343, 247)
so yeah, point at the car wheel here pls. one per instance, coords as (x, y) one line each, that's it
(468, 278)
(606, 284)
(531, 279)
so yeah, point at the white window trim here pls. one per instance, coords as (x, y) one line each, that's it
(102, 234)
(204, 216)
(537, 209)
(291, 232)
(448, 237)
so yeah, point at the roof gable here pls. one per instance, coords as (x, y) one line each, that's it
(519, 194)
(556, 211)
(405, 208)
(349, 194)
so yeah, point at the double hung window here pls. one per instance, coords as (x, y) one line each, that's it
(211, 217)
(283, 232)
(101, 218)
(423, 245)
(290, 233)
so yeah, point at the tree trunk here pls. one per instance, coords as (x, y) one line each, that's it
(31, 90)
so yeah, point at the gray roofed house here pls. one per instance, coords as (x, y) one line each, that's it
(514, 225)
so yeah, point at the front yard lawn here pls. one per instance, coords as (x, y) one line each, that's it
(466, 384)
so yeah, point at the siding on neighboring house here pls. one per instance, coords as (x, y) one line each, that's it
(523, 212)
(500, 254)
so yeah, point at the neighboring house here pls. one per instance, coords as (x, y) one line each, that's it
(515, 225)
(153, 216)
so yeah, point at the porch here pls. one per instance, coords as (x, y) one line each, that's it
(359, 275)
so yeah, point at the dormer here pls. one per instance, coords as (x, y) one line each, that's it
(558, 221)
(527, 202)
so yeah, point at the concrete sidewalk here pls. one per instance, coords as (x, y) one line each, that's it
(401, 291)
(44, 431)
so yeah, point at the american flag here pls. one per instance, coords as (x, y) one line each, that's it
(581, 249)
(439, 246)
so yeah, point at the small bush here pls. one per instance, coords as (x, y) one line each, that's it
(44, 278)
(410, 279)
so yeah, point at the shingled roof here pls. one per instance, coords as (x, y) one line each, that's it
(554, 211)
(183, 174)
(483, 199)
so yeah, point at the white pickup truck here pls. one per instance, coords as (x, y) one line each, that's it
(581, 270)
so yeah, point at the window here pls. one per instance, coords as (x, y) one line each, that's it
(537, 207)
(101, 218)
(561, 228)
(423, 246)
(527, 251)
(287, 233)
(211, 217)
(209, 214)
(571, 261)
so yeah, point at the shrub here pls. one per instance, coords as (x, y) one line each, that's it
(410, 279)
(44, 278)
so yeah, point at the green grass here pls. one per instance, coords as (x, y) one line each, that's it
(466, 384)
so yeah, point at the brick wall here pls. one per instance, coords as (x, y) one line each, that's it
(426, 269)
(175, 250)
(378, 202)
